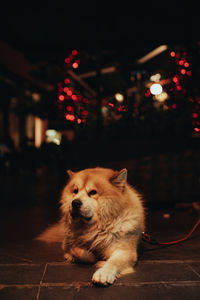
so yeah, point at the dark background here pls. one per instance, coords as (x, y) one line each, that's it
(49, 30)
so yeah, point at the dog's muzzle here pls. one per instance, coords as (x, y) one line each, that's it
(76, 204)
(79, 212)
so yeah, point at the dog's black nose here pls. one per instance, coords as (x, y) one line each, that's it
(76, 203)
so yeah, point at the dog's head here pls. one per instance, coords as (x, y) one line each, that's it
(93, 194)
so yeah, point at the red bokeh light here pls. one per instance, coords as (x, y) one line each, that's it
(196, 129)
(181, 62)
(66, 89)
(175, 79)
(111, 104)
(84, 113)
(66, 80)
(61, 98)
(69, 93)
(172, 53)
(183, 71)
(195, 115)
(74, 97)
(179, 88)
(75, 65)
(70, 117)
(148, 93)
(69, 108)
(74, 52)
(174, 106)
(79, 121)
(186, 64)
(189, 73)
(67, 60)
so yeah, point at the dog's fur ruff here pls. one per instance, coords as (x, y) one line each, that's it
(106, 227)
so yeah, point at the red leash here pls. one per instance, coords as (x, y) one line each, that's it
(149, 239)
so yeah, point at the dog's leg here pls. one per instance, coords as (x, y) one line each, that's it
(118, 262)
(80, 255)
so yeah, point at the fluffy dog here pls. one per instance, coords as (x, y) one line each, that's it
(102, 220)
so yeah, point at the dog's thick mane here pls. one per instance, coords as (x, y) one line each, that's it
(115, 220)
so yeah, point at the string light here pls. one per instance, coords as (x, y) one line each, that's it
(183, 71)
(61, 98)
(75, 65)
(70, 117)
(156, 89)
(74, 52)
(66, 81)
(67, 60)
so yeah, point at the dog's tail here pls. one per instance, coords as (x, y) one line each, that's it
(53, 234)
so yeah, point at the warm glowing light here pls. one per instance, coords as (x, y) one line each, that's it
(155, 77)
(84, 113)
(181, 62)
(195, 115)
(70, 117)
(189, 73)
(148, 93)
(75, 65)
(79, 121)
(162, 97)
(152, 54)
(174, 106)
(66, 89)
(74, 97)
(119, 97)
(36, 97)
(183, 71)
(53, 136)
(156, 89)
(74, 52)
(61, 98)
(173, 54)
(179, 88)
(69, 108)
(69, 93)
(186, 64)
(66, 80)
(175, 79)
(40, 129)
(196, 129)
(67, 60)
(111, 104)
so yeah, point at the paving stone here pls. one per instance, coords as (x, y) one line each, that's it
(182, 251)
(157, 272)
(21, 274)
(30, 251)
(68, 273)
(196, 268)
(137, 292)
(18, 293)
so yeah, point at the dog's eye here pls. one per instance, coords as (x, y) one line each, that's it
(75, 191)
(92, 192)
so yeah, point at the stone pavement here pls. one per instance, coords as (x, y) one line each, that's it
(33, 270)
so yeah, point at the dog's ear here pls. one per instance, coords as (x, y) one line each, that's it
(70, 173)
(119, 179)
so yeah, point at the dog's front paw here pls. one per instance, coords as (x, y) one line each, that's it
(68, 257)
(104, 276)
